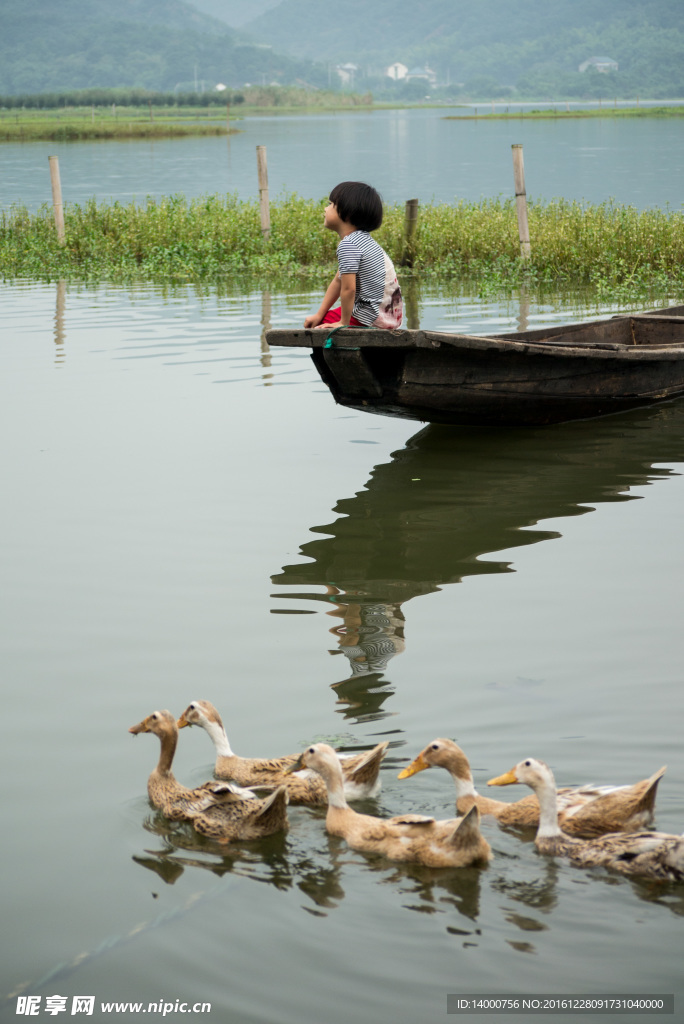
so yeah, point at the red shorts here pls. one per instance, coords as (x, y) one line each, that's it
(333, 316)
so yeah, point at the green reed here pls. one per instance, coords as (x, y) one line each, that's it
(78, 127)
(613, 247)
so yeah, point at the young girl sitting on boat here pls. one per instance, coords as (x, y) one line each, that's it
(366, 283)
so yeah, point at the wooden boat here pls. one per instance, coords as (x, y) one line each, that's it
(528, 378)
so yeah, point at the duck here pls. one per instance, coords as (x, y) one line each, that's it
(361, 771)
(174, 800)
(655, 855)
(219, 810)
(583, 811)
(241, 818)
(416, 838)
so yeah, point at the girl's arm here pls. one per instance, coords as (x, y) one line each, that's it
(348, 295)
(330, 297)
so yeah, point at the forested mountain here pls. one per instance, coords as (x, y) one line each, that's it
(481, 48)
(234, 12)
(57, 45)
(534, 45)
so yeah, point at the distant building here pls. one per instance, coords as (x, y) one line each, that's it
(602, 64)
(397, 71)
(421, 75)
(346, 73)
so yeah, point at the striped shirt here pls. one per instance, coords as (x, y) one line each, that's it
(378, 297)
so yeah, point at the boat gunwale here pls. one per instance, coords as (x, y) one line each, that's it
(352, 341)
(548, 341)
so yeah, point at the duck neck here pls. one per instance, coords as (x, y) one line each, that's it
(548, 809)
(458, 767)
(464, 786)
(168, 749)
(219, 738)
(334, 784)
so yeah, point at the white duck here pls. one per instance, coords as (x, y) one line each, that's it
(657, 855)
(361, 771)
(585, 811)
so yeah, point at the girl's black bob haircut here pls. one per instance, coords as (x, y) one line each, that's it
(359, 204)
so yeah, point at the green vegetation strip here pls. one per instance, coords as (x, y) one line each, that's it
(122, 114)
(73, 128)
(555, 112)
(611, 247)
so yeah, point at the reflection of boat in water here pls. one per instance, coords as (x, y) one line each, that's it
(453, 495)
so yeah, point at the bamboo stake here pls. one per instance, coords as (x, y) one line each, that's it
(264, 207)
(410, 222)
(521, 200)
(57, 198)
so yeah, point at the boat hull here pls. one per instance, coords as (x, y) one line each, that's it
(527, 379)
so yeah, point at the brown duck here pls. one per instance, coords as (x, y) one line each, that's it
(219, 810)
(456, 842)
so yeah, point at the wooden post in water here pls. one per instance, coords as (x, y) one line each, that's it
(410, 222)
(265, 326)
(264, 207)
(521, 200)
(57, 198)
(524, 315)
(228, 117)
(59, 321)
(411, 303)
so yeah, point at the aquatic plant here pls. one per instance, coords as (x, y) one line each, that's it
(617, 249)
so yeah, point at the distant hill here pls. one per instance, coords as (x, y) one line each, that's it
(59, 45)
(532, 43)
(234, 12)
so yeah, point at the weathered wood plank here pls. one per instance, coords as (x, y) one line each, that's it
(353, 337)
(657, 330)
(351, 373)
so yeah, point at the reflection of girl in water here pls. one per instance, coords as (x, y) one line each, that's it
(370, 636)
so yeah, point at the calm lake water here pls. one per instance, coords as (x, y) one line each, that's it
(188, 515)
(405, 153)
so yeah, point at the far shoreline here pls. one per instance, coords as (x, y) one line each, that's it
(93, 123)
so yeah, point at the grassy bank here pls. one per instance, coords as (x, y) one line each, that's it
(81, 128)
(111, 122)
(614, 248)
(559, 112)
(122, 115)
